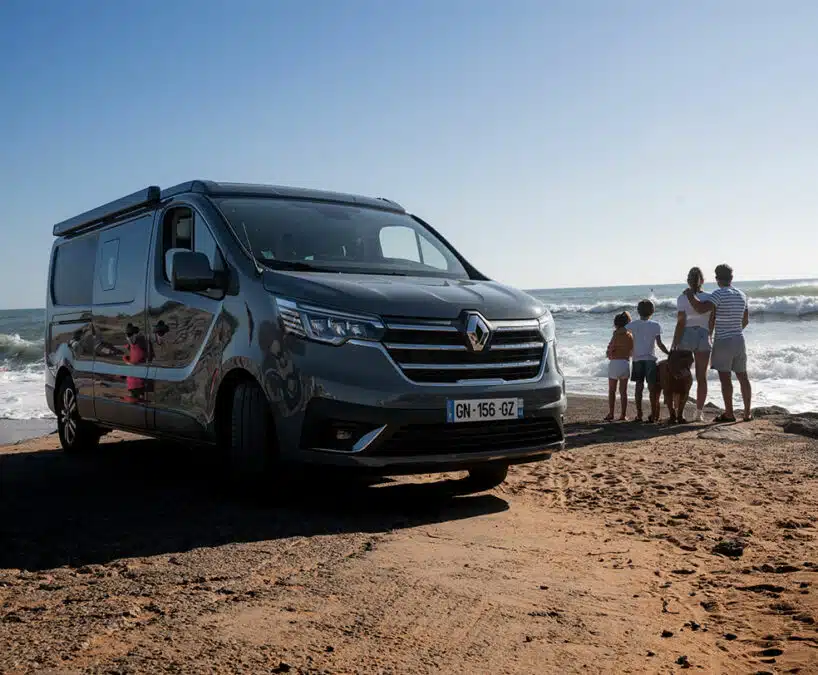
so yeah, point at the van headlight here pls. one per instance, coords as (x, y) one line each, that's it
(547, 329)
(327, 325)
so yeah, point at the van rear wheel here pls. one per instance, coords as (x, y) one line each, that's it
(76, 435)
(487, 477)
(253, 443)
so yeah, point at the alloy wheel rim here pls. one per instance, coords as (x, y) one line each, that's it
(68, 415)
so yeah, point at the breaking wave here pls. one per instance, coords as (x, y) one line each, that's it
(16, 351)
(784, 306)
(792, 362)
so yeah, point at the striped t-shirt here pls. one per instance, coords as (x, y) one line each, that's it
(730, 304)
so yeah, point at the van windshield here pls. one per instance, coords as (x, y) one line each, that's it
(308, 235)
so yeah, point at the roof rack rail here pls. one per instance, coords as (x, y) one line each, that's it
(391, 201)
(119, 207)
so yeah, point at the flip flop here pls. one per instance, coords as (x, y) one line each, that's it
(723, 418)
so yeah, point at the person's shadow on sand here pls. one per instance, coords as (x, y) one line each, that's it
(144, 497)
(582, 434)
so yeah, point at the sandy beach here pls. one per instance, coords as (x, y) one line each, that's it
(637, 550)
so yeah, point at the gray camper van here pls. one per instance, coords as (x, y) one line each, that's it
(291, 325)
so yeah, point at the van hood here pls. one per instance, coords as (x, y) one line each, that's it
(399, 296)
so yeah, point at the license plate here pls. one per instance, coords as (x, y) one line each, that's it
(484, 409)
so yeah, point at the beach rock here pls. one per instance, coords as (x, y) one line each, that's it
(732, 548)
(711, 407)
(727, 434)
(770, 411)
(803, 425)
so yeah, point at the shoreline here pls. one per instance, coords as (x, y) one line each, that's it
(13, 432)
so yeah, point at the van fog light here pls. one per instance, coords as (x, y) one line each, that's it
(333, 434)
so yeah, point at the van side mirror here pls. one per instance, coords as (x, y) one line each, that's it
(191, 271)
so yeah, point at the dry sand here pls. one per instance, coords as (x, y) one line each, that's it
(602, 559)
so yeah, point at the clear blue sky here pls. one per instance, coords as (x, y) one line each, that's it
(562, 143)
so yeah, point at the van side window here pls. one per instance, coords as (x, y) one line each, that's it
(108, 263)
(121, 261)
(72, 279)
(183, 228)
(204, 242)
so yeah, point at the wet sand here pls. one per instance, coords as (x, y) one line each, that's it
(639, 549)
(14, 431)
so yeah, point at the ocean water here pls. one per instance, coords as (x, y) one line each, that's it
(782, 341)
(782, 338)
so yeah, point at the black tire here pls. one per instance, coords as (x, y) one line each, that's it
(76, 435)
(253, 447)
(487, 477)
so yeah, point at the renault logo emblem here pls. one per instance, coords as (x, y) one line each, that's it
(478, 332)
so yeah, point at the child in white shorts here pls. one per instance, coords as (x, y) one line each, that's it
(620, 350)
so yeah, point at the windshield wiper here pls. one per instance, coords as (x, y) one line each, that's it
(294, 265)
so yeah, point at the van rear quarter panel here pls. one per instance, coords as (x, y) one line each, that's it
(69, 344)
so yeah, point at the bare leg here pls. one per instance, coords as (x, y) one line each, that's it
(611, 398)
(746, 393)
(623, 395)
(726, 380)
(653, 390)
(640, 388)
(702, 361)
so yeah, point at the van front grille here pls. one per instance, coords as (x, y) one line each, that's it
(507, 435)
(438, 352)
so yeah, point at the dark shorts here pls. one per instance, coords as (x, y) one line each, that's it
(644, 371)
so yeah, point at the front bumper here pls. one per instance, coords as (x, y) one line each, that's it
(412, 440)
(395, 426)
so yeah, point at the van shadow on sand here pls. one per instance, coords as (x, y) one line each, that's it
(145, 497)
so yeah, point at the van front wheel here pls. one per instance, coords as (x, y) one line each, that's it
(252, 437)
(76, 435)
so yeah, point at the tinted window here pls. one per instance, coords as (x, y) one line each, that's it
(338, 237)
(122, 261)
(183, 228)
(108, 262)
(72, 281)
(204, 242)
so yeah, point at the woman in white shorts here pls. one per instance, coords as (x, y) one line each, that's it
(693, 334)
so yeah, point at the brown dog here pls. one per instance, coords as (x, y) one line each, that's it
(675, 380)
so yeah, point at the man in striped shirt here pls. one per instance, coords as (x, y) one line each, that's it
(730, 317)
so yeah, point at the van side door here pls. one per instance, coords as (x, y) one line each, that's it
(181, 326)
(123, 346)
